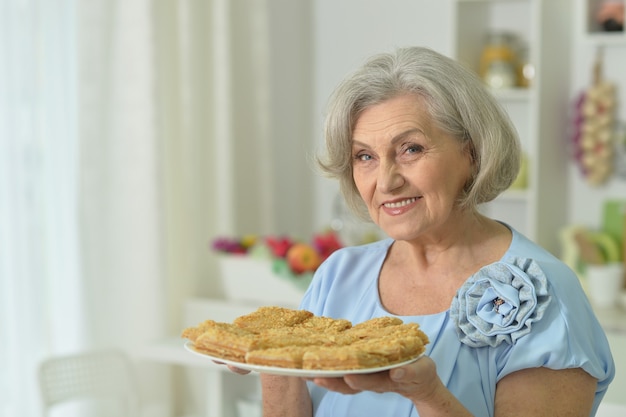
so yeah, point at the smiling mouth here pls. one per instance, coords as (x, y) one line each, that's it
(398, 204)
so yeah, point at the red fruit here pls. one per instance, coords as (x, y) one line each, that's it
(326, 244)
(279, 245)
(302, 257)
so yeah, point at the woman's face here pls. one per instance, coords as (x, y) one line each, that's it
(409, 172)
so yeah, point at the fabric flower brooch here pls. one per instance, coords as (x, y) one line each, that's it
(500, 302)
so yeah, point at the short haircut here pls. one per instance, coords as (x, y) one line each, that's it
(458, 103)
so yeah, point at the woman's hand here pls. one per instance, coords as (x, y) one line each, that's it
(234, 368)
(416, 381)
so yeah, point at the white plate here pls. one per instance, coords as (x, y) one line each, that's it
(305, 373)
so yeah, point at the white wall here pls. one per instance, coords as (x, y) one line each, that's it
(292, 71)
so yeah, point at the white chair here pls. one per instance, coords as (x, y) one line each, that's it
(97, 380)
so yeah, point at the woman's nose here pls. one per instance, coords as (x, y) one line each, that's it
(389, 177)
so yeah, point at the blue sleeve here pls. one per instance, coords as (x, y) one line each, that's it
(569, 317)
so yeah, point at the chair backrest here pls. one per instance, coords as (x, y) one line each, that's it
(105, 375)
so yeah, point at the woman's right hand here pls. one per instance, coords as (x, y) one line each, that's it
(234, 368)
(238, 370)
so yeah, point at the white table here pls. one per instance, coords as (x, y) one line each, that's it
(221, 388)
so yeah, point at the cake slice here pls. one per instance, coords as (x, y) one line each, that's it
(225, 341)
(379, 322)
(283, 357)
(324, 324)
(271, 317)
(341, 358)
(192, 333)
(397, 343)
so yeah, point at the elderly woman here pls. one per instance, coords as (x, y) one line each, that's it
(417, 144)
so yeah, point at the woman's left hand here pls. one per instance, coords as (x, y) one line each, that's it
(415, 381)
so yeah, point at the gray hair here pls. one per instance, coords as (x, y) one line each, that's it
(455, 98)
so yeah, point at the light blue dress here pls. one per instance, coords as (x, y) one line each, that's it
(545, 321)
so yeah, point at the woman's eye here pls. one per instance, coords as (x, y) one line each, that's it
(414, 149)
(363, 157)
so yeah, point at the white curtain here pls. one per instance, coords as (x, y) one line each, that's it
(131, 134)
(40, 310)
(81, 244)
(120, 211)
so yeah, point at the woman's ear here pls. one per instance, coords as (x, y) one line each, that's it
(470, 149)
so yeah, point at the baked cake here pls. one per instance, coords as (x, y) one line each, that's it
(287, 338)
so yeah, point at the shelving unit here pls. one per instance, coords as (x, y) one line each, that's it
(539, 111)
(588, 41)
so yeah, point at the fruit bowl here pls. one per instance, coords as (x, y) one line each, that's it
(273, 269)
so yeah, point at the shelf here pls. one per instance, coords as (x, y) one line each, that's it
(476, 19)
(490, 1)
(536, 111)
(606, 39)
